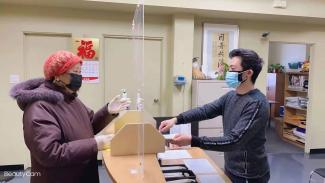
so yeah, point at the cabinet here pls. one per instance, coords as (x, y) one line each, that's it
(275, 91)
(203, 92)
(295, 110)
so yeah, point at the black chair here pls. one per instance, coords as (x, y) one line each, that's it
(7, 172)
(317, 176)
(5, 178)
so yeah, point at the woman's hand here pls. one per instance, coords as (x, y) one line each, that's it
(103, 141)
(118, 104)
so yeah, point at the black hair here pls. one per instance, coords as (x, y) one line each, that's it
(249, 60)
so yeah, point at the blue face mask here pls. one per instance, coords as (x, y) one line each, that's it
(234, 78)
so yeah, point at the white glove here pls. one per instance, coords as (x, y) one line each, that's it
(118, 104)
(103, 141)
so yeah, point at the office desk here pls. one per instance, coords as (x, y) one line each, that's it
(120, 168)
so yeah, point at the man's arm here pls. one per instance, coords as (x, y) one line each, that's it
(253, 119)
(208, 111)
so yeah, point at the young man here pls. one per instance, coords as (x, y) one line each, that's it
(245, 115)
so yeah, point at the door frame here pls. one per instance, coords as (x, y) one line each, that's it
(45, 34)
(310, 86)
(151, 38)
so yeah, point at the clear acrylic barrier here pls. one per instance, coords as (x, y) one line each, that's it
(138, 46)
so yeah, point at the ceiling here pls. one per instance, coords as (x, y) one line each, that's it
(108, 6)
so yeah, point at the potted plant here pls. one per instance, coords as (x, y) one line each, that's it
(276, 68)
(222, 70)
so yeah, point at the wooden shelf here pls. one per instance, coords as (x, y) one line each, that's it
(278, 118)
(296, 124)
(298, 73)
(298, 108)
(291, 112)
(298, 90)
(302, 126)
(293, 140)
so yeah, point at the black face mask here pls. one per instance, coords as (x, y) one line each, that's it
(240, 76)
(75, 82)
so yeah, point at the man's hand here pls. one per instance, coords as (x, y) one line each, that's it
(167, 124)
(181, 140)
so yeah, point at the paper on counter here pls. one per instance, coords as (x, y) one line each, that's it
(200, 166)
(210, 178)
(174, 154)
(181, 129)
(184, 129)
(169, 136)
(185, 180)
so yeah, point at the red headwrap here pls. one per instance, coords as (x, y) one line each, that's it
(59, 63)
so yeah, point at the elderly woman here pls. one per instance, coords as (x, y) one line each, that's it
(58, 128)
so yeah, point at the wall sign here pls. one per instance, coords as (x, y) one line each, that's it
(88, 50)
(218, 41)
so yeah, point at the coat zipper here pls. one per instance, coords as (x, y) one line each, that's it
(245, 153)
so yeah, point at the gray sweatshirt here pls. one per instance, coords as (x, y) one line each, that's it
(244, 121)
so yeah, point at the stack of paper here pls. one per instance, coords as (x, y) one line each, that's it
(174, 154)
(210, 178)
(169, 137)
(200, 166)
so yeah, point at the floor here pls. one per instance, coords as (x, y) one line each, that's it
(288, 163)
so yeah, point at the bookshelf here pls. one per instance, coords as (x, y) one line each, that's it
(295, 108)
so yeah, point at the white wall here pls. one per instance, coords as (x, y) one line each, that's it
(182, 54)
(295, 8)
(14, 20)
(284, 53)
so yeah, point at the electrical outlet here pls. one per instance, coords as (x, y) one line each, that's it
(279, 4)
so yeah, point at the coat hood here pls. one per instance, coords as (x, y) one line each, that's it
(34, 90)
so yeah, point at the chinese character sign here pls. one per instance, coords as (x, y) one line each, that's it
(218, 41)
(220, 49)
(86, 48)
